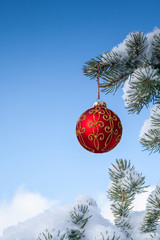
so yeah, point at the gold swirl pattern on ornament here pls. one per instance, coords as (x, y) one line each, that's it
(82, 142)
(109, 129)
(99, 110)
(108, 116)
(114, 118)
(80, 130)
(82, 117)
(118, 138)
(94, 138)
(107, 141)
(96, 124)
(116, 131)
(119, 125)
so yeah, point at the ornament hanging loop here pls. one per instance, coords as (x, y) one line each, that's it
(98, 80)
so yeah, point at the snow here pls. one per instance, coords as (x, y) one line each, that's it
(148, 124)
(155, 195)
(121, 48)
(31, 228)
(129, 87)
(128, 176)
(150, 38)
(58, 219)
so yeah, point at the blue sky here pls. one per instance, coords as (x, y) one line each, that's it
(43, 46)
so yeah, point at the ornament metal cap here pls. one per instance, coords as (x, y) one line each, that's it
(100, 103)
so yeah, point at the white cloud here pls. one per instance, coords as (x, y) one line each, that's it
(139, 203)
(23, 206)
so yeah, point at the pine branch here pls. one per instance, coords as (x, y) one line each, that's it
(155, 119)
(152, 215)
(75, 234)
(109, 59)
(79, 219)
(124, 175)
(151, 139)
(48, 236)
(136, 44)
(78, 215)
(90, 68)
(125, 184)
(108, 238)
(114, 78)
(156, 49)
(144, 88)
(105, 62)
(114, 68)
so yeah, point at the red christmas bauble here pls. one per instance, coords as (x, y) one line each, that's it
(99, 129)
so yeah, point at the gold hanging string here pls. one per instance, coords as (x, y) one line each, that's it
(98, 80)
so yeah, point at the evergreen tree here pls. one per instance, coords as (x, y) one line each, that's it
(134, 65)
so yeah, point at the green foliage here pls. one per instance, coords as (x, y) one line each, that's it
(145, 88)
(79, 218)
(48, 236)
(125, 184)
(140, 64)
(136, 44)
(78, 215)
(75, 234)
(151, 139)
(108, 238)
(132, 184)
(156, 49)
(114, 69)
(152, 215)
(90, 69)
(114, 78)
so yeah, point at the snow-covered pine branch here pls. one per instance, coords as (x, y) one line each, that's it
(82, 220)
(150, 132)
(152, 215)
(141, 88)
(135, 65)
(125, 184)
